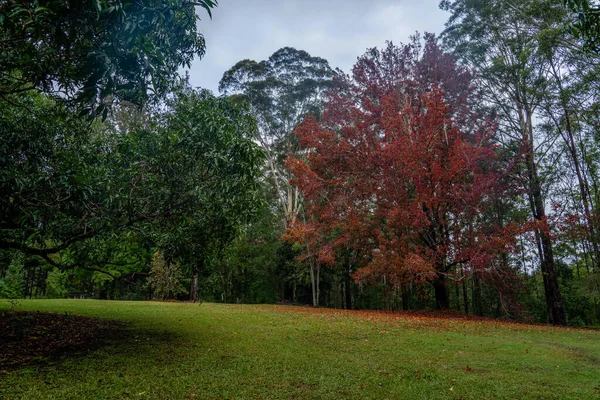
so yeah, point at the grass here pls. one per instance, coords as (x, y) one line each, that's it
(214, 351)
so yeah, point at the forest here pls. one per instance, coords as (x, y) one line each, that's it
(457, 171)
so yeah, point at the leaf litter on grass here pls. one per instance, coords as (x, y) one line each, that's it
(35, 336)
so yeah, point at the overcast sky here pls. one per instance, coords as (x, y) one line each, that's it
(337, 30)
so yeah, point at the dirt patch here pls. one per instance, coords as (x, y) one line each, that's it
(35, 336)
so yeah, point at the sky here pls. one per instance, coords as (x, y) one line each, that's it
(337, 30)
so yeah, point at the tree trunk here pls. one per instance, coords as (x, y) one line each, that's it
(347, 288)
(457, 295)
(318, 285)
(313, 284)
(294, 292)
(404, 298)
(194, 286)
(477, 306)
(464, 290)
(442, 299)
(554, 305)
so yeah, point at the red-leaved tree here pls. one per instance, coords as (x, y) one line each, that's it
(402, 171)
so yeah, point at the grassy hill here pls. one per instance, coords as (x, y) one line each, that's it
(215, 351)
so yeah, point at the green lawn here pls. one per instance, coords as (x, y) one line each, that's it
(181, 350)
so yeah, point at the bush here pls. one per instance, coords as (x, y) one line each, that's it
(165, 278)
(576, 322)
(56, 283)
(13, 284)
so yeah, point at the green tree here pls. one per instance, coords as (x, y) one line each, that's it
(165, 278)
(13, 283)
(281, 91)
(531, 67)
(94, 52)
(56, 283)
(95, 198)
(209, 162)
(65, 181)
(246, 270)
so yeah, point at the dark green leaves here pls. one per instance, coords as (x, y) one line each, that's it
(94, 52)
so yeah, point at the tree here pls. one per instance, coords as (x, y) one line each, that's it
(96, 52)
(209, 162)
(76, 189)
(56, 283)
(497, 38)
(567, 110)
(401, 171)
(12, 285)
(52, 175)
(164, 278)
(281, 91)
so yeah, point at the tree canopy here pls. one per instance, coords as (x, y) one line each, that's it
(96, 52)
(281, 91)
(395, 173)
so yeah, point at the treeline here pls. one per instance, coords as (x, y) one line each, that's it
(452, 172)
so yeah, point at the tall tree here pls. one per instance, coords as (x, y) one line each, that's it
(281, 91)
(497, 39)
(399, 168)
(209, 161)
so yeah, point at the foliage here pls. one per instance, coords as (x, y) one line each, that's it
(48, 174)
(94, 52)
(56, 283)
(398, 172)
(281, 91)
(98, 197)
(164, 278)
(12, 285)
(245, 271)
(587, 22)
(213, 165)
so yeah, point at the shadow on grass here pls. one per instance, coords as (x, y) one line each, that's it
(39, 338)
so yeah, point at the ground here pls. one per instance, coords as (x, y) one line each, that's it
(30, 337)
(215, 351)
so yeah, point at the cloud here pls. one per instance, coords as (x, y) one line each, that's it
(337, 30)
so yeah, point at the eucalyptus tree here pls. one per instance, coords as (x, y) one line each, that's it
(568, 110)
(500, 40)
(281, 92)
